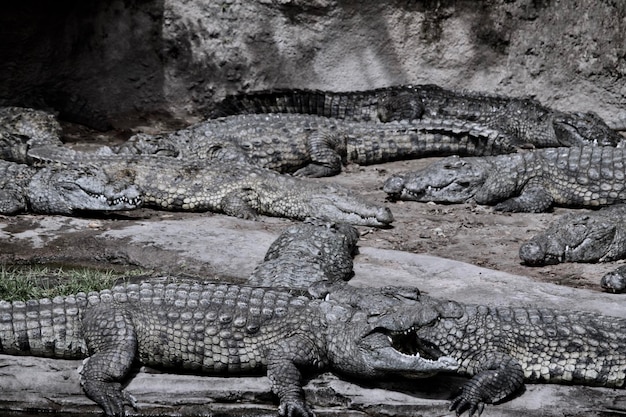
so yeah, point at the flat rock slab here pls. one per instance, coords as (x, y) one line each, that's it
(216, 246)
(30, 384)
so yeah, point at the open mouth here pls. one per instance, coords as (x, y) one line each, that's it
(408, 343)
(115, 201)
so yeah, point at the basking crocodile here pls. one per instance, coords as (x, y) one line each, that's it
(218, 329)
(523, 118)
(315, 250)
(54, 190)
(24, 128)
(598, 236)
(501, 347)
(589, 176)
(231, 187)
(41, 127)
(317, 146)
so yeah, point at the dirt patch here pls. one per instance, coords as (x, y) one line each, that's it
(464, 232)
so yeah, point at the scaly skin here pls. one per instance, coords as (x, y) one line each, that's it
(23, 128)
(598, 236)
(40, 126)
(362, 106)
(317, 146)
(589, 176)
(525, 119)
(501, 347)
(231, 187)
(522, 118)
(217, 329)
(54, 190)
(315, 250)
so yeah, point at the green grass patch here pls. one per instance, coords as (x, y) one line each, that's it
(26, 282)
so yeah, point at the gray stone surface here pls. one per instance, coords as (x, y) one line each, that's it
(123, 61)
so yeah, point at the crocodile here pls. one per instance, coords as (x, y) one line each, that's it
(524, 118)
(229, 187)
(38, 125)
(502, 347)
(308, 252)
(55, 190)
(221, 329)
(587, 176)
(597, 236)
(316, 146)
(22, 128)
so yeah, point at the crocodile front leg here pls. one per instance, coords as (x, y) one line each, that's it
(496, 376)
(534, 198)
(283, 370)
(112, 345)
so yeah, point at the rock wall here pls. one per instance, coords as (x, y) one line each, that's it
(126, 61)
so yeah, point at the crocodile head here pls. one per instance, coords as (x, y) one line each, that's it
(38, 125)
(13, 147)
(574, 238)
(376, 332)
(342, 205)
(449, 180)
(64, 190)
(372, 345)
(577, 129)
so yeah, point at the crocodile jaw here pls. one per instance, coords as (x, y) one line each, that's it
(65, 190)
(402, 352)
(449, 180)
(411, 188)
(338, 204)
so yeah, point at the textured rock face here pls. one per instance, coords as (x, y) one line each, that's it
(115, 63)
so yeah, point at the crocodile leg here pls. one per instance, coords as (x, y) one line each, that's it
(534, 198)
(326, 150)
(112, 344)
(236, 203)
(283, 371)
(496, 376)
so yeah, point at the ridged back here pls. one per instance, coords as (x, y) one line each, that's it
(353, 105)
(53, 328)
(551, 345)
(48, 328)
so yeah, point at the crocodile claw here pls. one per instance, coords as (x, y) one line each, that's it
(294, 409)
(467, 402)
(109, 396)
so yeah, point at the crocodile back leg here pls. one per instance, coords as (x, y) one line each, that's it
(327, 151)
(112, 344)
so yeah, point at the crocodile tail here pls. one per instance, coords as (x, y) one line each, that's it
(277, 101)
(355, 105)
(46, 328)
